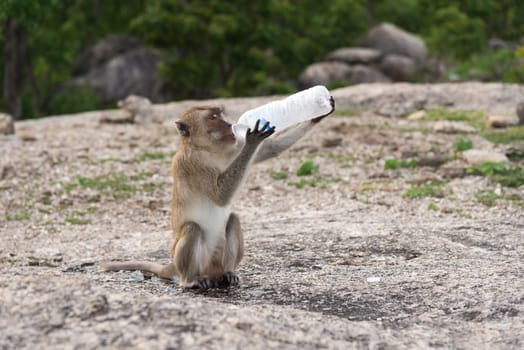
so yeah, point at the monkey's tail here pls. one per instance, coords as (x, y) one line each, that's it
(163, 271)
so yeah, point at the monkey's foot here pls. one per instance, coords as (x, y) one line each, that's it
(204, 283)
(229, 279)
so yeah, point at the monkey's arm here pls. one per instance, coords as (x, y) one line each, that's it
(230, 179)
(285, 139)
(282, 141)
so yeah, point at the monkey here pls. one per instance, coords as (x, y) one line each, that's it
(208, 169)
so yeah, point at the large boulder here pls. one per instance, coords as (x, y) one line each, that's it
(103, 51)
(398, 67)
(112, 69)
(355, 55)
(134, 72)
(390, 39)
(323, 73)
(360, 74)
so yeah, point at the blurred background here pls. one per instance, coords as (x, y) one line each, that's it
(66, 56)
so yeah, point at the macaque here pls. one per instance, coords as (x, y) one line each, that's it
(208, 169)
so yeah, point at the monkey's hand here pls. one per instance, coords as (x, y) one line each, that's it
(256, 136)
(332, 102)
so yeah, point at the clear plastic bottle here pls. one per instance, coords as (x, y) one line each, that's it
(304, 105)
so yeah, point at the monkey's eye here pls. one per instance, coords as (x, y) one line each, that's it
(214, 116)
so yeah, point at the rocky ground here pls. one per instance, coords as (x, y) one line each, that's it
(423, 254)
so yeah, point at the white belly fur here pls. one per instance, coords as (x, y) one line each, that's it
(211, 218)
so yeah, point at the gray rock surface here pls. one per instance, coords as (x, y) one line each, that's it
(406, 97)
(359, 74)
(520, 112)
(355, 55)
(103, 51)
(479, 156)
(323, 73)
(7, 124)
(447, 127)
(139, 107)
(134, 72)
(343, 261)
(398, 67)
(390, 39)
(502, 121)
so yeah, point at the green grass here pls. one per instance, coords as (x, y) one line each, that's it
(143, 175)
(279, 175)
(142, 157)
(307, 168)
(500, 173)
(489, 198)
(317, 182)
(505, 136)
(516, 154)
(393, 164)
(152, 156)
(477, 120)
(432, 207)
(46, 200)
(474, 118)
(463, 144)
(19, 216)
(422, 191)
(116, 185)
(77, 221)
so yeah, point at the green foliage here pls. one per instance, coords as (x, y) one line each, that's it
(315, 182)
(74, 101)
(77, 221)
(455, 115)
(426, 190)
(453, 30)
(471, 117)
(490, 197)
(500, 173)
(505, 136)
(279, 175)
(463, 144)
(115, 185)
(245, 48)
(489, 65)
(487, 197)
(307, 168)
(19, 216)
(393, 164)
(241, 48)
(432, 207)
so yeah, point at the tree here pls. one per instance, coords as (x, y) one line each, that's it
(15, 38)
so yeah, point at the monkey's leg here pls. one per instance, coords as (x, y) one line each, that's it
(191, 257)
(233, 250)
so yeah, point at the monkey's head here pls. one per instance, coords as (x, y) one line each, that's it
(205, 128)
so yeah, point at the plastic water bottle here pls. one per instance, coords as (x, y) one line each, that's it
(304, 105)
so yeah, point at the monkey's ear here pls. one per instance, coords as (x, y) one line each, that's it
(183, 129)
